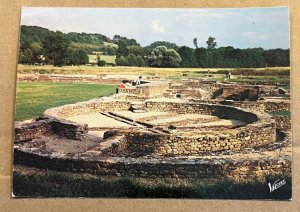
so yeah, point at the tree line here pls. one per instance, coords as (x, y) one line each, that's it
(39, 44)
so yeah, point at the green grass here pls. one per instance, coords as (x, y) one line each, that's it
(33, 99)
(92, 46)
(274, 71)
(106, 58)
(63, 184)
(110, 44)
(261, 79)
(280, 113)
(163, 72)
(84, 45)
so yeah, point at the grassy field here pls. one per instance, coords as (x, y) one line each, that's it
(92, 46)
(110, 44)
(84, 45)
(106, 58)
(33, 99)
(65, 184)
(163, 72)
(259, 75)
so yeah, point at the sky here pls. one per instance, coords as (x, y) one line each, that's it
(238, 27)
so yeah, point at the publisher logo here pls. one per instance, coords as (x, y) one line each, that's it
(277, 184)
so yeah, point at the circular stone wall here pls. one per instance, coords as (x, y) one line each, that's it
(122, 153)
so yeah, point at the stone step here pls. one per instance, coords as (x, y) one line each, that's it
(139, 111)
(135, 106)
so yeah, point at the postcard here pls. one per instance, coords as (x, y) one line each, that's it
(153, 103)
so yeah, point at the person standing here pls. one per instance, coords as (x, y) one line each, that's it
(229, 75)
(137, 81)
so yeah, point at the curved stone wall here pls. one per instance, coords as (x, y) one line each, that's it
(230, 168)
(260, 129)
(92, 106)
(126, 158)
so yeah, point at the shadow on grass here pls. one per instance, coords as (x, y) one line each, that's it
(56, 184)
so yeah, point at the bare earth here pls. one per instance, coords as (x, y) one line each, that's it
(97, 120)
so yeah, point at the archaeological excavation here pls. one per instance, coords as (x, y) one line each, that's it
(170, 129)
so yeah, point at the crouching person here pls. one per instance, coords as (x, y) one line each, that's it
(121, 86)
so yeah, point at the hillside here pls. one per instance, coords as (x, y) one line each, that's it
(87, 41)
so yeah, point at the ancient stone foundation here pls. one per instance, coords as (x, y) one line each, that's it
(164, 130)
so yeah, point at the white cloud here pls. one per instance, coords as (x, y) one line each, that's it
(157, 27)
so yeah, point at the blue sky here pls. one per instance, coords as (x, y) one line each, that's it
(241, 28)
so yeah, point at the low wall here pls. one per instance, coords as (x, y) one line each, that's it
(29, 131)
(202, 108)
(183, 93)
(235, 169)
(273, 106)
(149, 90)
(250, 105)
(283, 122)
(262, 106)
(92, 106)
(69, 129)
(237, 92)
(48, 125)
(137, 144)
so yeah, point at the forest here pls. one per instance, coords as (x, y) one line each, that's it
(42, 46)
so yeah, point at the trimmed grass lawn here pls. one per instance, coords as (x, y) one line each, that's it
(34, 98)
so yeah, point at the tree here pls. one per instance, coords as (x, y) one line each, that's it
(128, 42)
(111, 50)
(83, 58)
(131, 60)
(167, 44)
(121, 61)
(26, 57)
(187, 57)
(277, 57)
(140, 61)
(135, 50)
(30, 53)
(211, 43)
(201, 57)
(56, 46)
(161, 56)
(122, 49)
(100, 62)
(211, 55)
(195, 42)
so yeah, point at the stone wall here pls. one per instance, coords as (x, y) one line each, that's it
(29, 131)
(235, 169)
(48, 125)
(184, 93)
(262, 106)
(250, 105)
(69, 129)
(220, 111)
(148, 90)
(273, 106)
(92, 106)
(283, 122)
(137, 144)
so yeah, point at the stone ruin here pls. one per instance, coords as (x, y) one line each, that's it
(176, 129)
